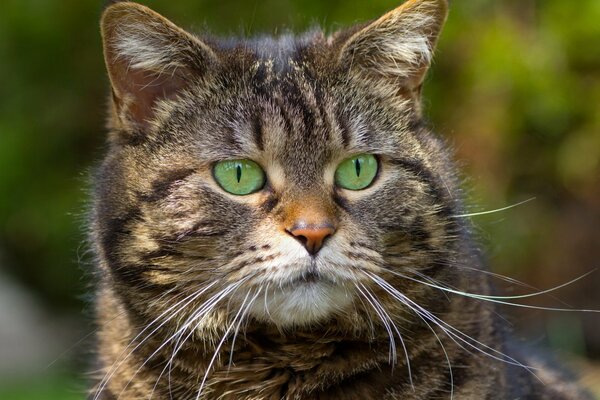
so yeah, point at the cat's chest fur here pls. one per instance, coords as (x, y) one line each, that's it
(275, 220)
(316, 364)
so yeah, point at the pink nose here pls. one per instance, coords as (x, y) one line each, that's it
(311, 236)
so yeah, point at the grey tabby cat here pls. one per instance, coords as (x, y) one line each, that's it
(274, 220)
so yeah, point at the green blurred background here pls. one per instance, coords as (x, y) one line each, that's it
(515, 88)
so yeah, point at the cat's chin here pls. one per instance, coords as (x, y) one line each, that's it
(302, 303)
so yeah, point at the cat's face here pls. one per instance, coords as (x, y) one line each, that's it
(274, 178)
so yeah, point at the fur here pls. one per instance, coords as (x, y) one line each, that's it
(202, 294)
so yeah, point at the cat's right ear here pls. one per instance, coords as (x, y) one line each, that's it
(148, 59)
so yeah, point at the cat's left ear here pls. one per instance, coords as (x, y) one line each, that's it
(398, 47)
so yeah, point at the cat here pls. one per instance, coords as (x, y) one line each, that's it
(275, 220)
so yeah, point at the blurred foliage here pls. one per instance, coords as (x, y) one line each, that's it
(51, 387)
(515, 88)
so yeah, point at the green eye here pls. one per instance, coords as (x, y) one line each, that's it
(240, 177)
(356, 173)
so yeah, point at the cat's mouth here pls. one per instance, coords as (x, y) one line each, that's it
(306, 278)
(311, 277)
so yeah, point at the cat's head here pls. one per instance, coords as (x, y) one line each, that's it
(277, 177)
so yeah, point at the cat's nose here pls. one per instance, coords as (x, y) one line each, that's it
(312, 236)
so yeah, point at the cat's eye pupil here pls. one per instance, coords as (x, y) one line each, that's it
(238, 172)
(357, 166)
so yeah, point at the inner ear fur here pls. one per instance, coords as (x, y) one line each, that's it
(148, 59)
(399, 46)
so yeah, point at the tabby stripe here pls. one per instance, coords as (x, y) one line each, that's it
(340, 200)
(313, 102)
(132, 138)
(114, 230)
(111, 238)
(162, 252)
(200, 229)
(294, 101)
(425, 176)
(161, 187)
(344, 128)
(134, 275)
(288, 125)
(269, 204)
(258, 132)
(299, 102)
(419, 235)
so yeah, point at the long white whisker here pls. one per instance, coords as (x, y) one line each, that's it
(392, 352)
(493, 211)
(451, 373)
(237, 327)
(430, 280)
(495, 275)
(507, 279)
(370, 320)
(205, 308)
(451, 331)
(500, 299)
(391, 321)
(212, 304)
(218, 348)
(187, 300)
(266, 303)
(157, 350)
(198, 315)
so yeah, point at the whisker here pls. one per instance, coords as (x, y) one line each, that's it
(493, 211)
(266, 304)
(117, 364)
(220, 344)
(501, 299)
(369, 319)
(507, 279)
(156, 351)
(199, 316)
(384, 320)
(237, 328)
(390, 320)
(451, 374)
(429, 279)
(451, 331)
(212, 302)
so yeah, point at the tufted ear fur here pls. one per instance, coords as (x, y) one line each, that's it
(399, 46)
(148, 59)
